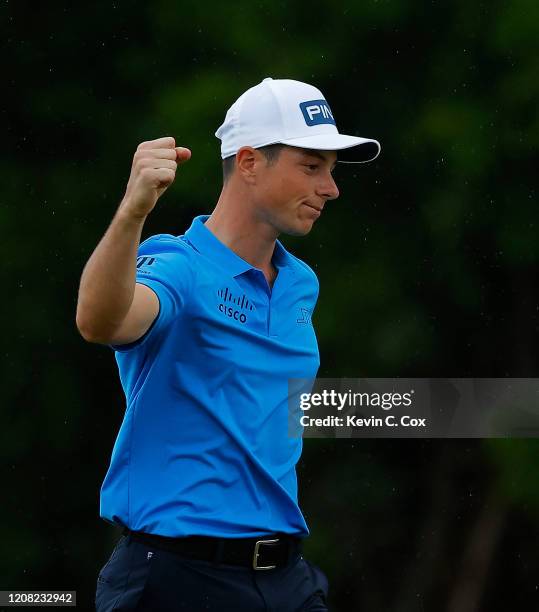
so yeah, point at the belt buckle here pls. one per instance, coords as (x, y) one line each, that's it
(256, 553)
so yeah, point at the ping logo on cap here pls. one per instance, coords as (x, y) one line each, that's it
(316, 112)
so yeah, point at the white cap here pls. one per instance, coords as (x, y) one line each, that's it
(292, 113)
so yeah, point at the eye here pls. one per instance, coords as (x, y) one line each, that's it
(312, 166)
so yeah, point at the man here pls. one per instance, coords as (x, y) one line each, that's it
(208, 327)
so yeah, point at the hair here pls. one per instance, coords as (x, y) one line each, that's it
(271, 153)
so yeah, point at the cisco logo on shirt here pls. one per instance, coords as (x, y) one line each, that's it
(317, 112)
(226, 305)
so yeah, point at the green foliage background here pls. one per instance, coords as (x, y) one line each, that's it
(427, 264)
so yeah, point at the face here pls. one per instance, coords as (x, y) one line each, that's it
(291, 193)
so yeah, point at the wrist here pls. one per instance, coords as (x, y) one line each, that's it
(127, 215)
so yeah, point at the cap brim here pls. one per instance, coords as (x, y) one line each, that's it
(358, 150)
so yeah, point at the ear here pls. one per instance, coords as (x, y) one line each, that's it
(248, 162)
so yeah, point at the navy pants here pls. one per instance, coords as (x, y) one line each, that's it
(147, 579)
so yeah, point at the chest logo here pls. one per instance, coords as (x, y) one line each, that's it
(305, 316)
(234, 307)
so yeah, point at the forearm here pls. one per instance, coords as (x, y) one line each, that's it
(108, 280)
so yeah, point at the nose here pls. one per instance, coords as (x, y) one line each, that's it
(328, 189)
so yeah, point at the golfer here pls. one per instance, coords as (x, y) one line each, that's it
(207, 329)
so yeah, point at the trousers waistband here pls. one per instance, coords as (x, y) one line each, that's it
(260, 553)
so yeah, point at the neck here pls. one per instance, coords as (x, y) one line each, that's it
(235, 224)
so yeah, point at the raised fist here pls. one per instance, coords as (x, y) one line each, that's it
(153, 170)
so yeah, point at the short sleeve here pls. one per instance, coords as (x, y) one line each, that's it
(162, 265)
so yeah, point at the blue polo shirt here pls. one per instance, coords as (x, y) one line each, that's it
(204, 447)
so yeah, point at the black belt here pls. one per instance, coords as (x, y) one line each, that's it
(262, 553)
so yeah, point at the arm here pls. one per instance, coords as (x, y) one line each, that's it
(112, 308)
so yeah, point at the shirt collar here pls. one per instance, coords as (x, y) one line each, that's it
(208, 244)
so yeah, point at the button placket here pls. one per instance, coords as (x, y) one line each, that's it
(256, 282)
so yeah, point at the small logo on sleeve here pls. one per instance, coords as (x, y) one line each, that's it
(317, 112)
(225, 305)
(145, 261)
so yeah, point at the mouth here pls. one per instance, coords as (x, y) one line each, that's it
(317, 208)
